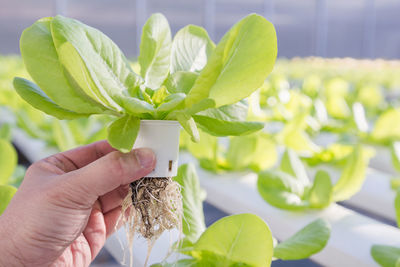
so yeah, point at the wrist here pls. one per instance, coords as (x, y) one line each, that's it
(8, 249)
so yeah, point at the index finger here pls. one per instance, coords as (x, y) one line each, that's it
(84, 155)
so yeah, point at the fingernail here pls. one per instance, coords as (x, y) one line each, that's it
(145, 157)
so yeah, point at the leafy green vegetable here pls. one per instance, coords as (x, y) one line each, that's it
(6, 194)
(122, 133)
(386, 256)
(192, 199)
(8, 161)
(384, 129)
(321, 191)
(239, 64)
(38, 99)
(42, 62)
(191, 49)
(80, 71)
(281, 190)
(309, 240)
(155, 51)
(180, 82)
(243, 238)
(353, 174)
(5, 131)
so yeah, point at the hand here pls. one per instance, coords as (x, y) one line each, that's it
(68, 204)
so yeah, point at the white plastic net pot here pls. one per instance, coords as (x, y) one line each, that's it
(162, 136)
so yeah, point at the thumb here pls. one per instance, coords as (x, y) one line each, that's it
(109, 172)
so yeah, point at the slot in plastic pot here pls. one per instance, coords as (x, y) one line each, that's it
(162, 136)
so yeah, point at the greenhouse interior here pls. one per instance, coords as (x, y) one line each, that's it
(231, 133)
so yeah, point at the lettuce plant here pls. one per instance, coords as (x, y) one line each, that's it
(79, 72)
(243, 239)
(289, 187)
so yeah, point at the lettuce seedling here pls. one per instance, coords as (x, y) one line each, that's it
(289, 186)
(243, 239)
(80, 72)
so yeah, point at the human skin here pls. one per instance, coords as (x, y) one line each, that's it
(68, 204)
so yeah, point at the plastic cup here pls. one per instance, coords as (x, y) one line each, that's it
(162, 136)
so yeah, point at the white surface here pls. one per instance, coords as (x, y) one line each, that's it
(352, 234)
(383, 161)
(163, 138)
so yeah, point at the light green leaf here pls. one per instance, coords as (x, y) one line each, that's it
(234, 112)
(386, 256)
(239, 65)
(191, 49)
(155, 51)
(353, 174)
(265, 156)
(320, 195)
(32, 94)
(5, 131)
(309, 240)
(395, 153)
(227, 120)
(189, 126)
(226, 128)
(171, 102)
(122, 133)
(384, 129)
(240, 152)
(158, 96)
(42, 62)
(281, 190)
(6, 194)
(92, 61)
(134, 106)
(180, 82)
(63, 136)
(397, 207)
(192, 199)
(8, 161)
(205, 148)
(243, 238)
(291, 164)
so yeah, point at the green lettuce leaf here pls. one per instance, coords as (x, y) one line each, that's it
(180, 82)
(191, 49)
(192, 199)
(32, 94)
(309, 240)
(122, 133)
(281, 190)
(386, 256)
(320, 194)
(242, 238)
(155, 51)
(239, 65)
(42, 62)
(92, 61)
(353, 174)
